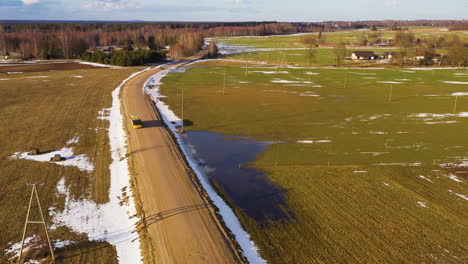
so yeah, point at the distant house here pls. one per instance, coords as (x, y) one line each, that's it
(426, 55)
(363, 55)
(391, 55)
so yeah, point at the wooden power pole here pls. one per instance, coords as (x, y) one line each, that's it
(42, 221)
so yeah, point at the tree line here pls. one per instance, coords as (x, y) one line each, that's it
(74, 40)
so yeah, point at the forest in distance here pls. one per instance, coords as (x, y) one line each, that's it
(136, 43)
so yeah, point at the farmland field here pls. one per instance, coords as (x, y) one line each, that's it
(288, 49)
(51, 110)
(359, 154)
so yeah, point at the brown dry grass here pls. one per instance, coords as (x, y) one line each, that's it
(45, 113)
(56, 66)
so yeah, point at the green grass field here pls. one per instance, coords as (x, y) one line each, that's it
(349, 36)
(357, 156)
(287, 48)
(45, 112)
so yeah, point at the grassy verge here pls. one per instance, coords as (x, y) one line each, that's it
(45, 112)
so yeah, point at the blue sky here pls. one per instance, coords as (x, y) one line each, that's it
(232, 10)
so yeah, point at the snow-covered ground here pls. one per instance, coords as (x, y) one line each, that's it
(98, 64)
(81, 161)
(249, 248)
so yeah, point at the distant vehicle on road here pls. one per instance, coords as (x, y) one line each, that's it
(136, 121)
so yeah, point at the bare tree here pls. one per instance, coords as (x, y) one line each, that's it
(340, 53)
(310, 42)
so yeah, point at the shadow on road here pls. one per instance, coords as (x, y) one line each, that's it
(156, 217)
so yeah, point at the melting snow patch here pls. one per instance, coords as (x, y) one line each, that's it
(459, 195)
(78, 76)
(459, 73)
(454, 178)
(73, 140)
(425, 178)
(99, 65)
(378, 132)
(28, 242)
(359, 171)
(460, 94)
(272, 72)
(82, 161)
(115, 221)
(388, 82)
(409, 71)
(104, 114)
(305, 141)
(33, 77)
(440, 122)
(312, 73)
(453, 82)
(249, 248)
(422, 204)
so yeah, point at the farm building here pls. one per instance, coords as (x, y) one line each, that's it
(426, 55)
(363, 55)
(391, 54)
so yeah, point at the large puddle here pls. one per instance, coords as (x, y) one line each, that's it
(224, 159)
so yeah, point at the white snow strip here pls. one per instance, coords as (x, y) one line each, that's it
(249, 248)
(453, 82)
(460, 74)
(33, 77)
(454, 178)
(288, 81)
(359, 171)
(415, 164)
(438, 116)
(305, 141)
(378, 132)
(440, 122)
(99, 64)
(272, 72)
(409, 71)
(82, 161)
(425, 178)
(312, 73)
(460, 94)
(389, 82)
(374, 153)
(459, 195)
(114, 221)
(78, 76)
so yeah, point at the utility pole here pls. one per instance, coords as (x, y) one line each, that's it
(182, 128)
(42, 221)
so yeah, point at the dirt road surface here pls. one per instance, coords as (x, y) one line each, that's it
(181, 224)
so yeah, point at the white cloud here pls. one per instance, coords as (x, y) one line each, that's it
(109, 5)
(31, 2)
(236, 3)
(392, 3)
